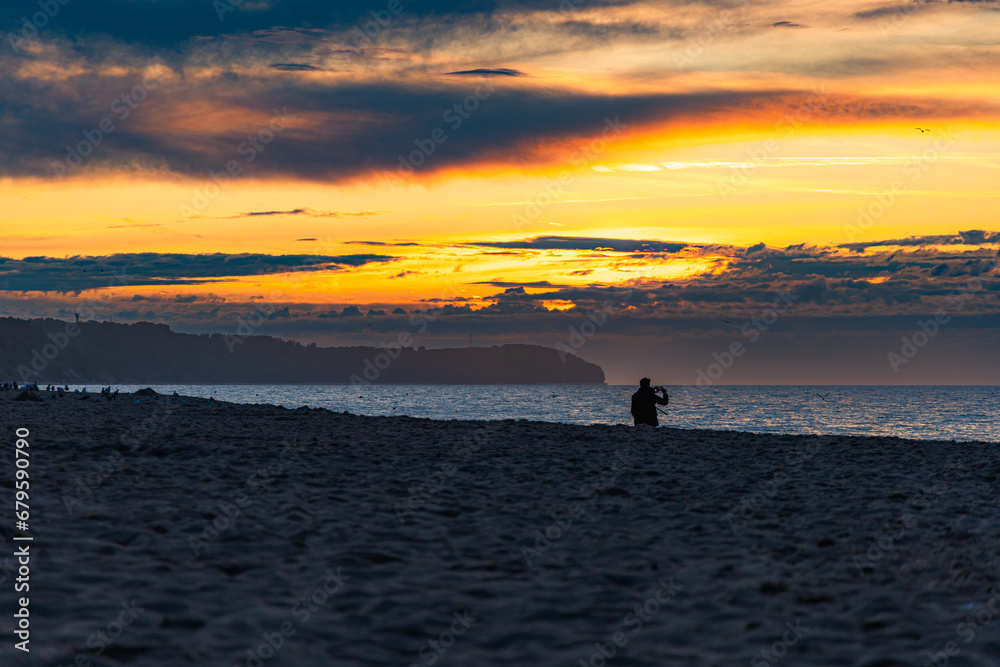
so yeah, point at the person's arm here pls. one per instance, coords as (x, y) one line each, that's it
(665, 400)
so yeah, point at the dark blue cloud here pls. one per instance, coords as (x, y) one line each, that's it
(582, 243)
(502, 283)
(383, 244)
(502, 71)
(298, 211)
(45, 124)
(312, 213)
(900, 10)
(971, 237)
(74, 274)
(294, 67)
(163, 24)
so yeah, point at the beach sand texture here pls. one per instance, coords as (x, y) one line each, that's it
(347, 540)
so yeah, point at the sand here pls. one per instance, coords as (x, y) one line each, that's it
(178, 532)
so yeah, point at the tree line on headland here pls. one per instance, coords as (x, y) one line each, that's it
(49, 350)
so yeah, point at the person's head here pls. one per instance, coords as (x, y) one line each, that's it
(644, 383)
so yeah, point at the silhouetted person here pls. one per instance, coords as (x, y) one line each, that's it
(644, 403)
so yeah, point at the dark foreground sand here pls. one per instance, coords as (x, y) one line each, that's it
(345, 540)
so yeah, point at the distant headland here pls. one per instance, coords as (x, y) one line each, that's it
(49, 350)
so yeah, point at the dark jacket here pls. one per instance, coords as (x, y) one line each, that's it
(644, 404)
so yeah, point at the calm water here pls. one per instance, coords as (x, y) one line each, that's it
(948, 413)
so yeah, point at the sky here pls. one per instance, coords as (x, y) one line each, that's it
(697, 191)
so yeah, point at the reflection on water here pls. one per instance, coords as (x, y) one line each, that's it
(947, 413)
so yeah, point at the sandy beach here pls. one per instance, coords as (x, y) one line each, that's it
(182, 532)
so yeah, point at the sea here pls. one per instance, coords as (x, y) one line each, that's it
(960, 413)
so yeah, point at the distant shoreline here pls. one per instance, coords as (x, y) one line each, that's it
(481, 384)
(54, 351)
(181, 401)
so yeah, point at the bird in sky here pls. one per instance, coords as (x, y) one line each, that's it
(822, 396)
(922, 130)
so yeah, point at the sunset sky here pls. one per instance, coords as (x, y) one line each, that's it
(511, 167)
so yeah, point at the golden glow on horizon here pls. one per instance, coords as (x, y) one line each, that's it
(675, 204)
(782, 174)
